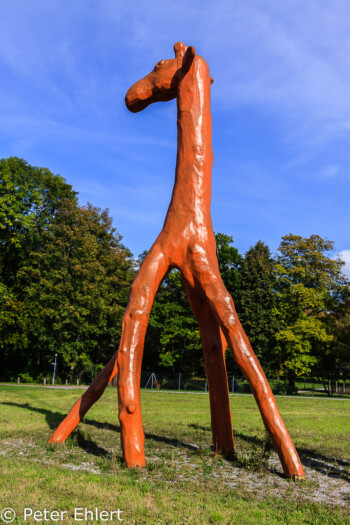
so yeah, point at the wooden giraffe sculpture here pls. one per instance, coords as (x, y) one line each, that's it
(186, 242)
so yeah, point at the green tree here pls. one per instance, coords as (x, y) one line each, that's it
(230, 262)
(173, 339)
(333, 360)
(310, 286)
(258, 302)
(80, 282)
(66, 289)
(29, 200)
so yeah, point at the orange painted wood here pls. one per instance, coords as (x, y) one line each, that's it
(186, 242)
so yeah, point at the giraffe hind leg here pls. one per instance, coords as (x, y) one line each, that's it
(205, 274)
(85, 402)
(214, 345)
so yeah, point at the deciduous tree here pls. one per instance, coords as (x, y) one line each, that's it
(310, 285)
(65, 276)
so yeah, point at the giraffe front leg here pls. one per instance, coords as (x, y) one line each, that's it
(130, 354)
(129, 403)
(214, 345)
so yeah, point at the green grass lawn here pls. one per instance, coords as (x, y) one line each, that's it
(183, 482)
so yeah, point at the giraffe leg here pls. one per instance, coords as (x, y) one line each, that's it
(214, 346)
(203, 272)
(155, 267)
(130, 354)
(79, 409)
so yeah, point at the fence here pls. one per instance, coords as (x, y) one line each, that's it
(238, 384)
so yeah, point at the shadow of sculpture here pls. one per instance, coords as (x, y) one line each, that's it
(329, 466)
(54, 418)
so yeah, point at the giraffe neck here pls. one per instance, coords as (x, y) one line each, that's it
(192, 189)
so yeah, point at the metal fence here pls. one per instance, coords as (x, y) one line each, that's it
(238, 384)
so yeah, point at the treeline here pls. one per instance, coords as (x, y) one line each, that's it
(294, 307)
(66, 276)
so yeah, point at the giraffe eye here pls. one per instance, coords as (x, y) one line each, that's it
(160, 63)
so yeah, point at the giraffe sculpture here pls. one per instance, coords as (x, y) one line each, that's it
(186, 242)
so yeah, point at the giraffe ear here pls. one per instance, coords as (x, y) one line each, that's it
(179, 49)
(188, 59)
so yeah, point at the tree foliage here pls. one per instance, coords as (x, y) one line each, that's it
(230, 262)
(258, 302)
(310, 285)
(173, 338)
(67, 289)
(29, 200)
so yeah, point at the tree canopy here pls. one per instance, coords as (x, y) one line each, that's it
(310, 286)
(258, 302)
(65, 276)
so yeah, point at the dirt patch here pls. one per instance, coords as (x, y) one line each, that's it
(326, 482)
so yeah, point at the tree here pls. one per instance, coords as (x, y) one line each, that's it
(173, 339)
(80, 282)
(258, 302)
(66, 291)
(29, 200)
(310, 286)
(230, 262)
(333, 360)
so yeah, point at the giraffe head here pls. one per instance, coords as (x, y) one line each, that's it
(161, 83)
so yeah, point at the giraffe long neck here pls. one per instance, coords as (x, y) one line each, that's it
(192, 189)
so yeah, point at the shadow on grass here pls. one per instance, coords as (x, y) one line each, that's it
(88, 445)
(54, 419)
(326, 465)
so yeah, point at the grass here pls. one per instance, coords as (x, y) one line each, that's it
(183, 482)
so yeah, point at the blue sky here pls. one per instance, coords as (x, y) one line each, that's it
(280, 105)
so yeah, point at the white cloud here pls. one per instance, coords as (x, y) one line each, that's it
(330, 172)
(345, 256)
(288, 58)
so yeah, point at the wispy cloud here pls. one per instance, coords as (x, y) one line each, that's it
(329, 172)
(345, 256)
(289, 58)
